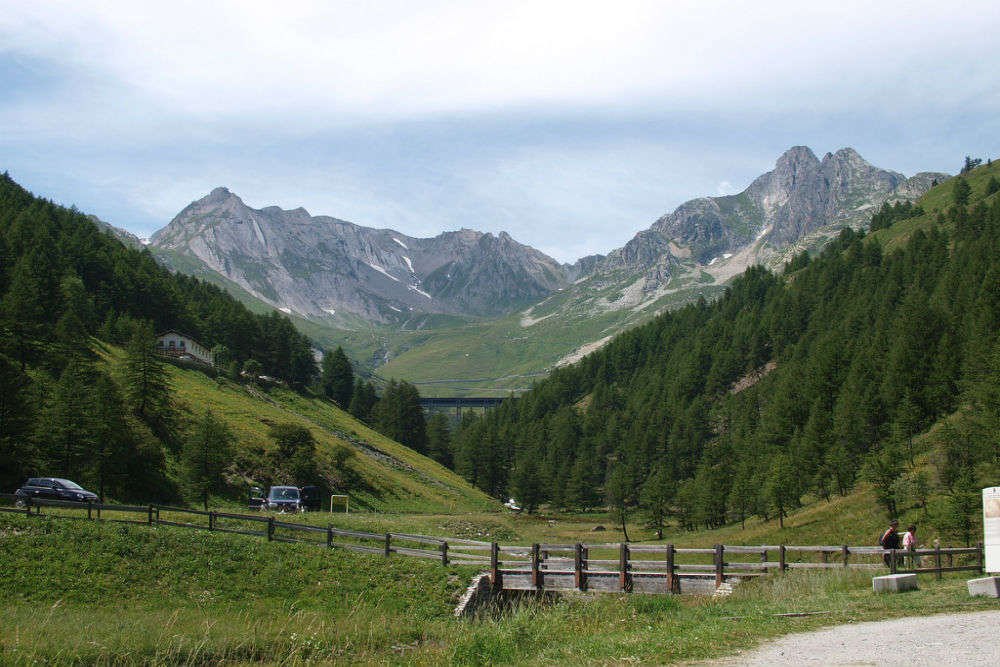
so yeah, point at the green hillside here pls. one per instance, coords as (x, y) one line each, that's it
(789, 387)
(380, 474)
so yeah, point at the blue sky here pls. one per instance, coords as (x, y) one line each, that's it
(571, 125)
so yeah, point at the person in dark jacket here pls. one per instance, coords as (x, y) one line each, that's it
(889, 540)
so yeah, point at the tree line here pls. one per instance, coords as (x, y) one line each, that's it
(788, 386)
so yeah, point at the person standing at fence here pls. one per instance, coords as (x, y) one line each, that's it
(889, 540)
(910, 544)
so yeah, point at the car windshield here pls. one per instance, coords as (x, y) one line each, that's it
(284, 493)
(68, 484)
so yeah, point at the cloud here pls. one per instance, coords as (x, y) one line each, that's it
(571, 125)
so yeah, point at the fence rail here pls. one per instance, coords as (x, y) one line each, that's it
(609, 567)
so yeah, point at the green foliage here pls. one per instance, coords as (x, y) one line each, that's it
(620, 494)
(338, 377)
(961, 190)
(205, 454)
(294, 454)
(147, 389)
(439, 439)
(655, 499)
(399, 415)
(786, 386)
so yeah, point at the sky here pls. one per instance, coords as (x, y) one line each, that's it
(570, 125)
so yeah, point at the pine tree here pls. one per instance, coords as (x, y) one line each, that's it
(113, 441)
(655, 498)
(782, 486)
(363, 400)
(399, 415)
(961, 191)
(526, 484)
(205, 454)
(25, 307)
(338, 377)
(66, 435)
(147, 386)
(619, 492)
(16, 422)
(439, 439)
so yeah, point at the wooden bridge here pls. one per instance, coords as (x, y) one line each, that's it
(608, 568)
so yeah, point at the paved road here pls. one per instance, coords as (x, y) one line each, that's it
(970, 640)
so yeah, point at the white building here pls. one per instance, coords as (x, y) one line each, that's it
(181, 346)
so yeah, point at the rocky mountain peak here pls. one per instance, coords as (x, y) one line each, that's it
(795, 159)
(325, 267)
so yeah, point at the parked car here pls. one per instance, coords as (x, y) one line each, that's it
(53, 488)
(255, 498)
(309, 497)
(284, 499)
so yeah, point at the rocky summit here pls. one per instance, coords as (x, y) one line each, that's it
(342, 272)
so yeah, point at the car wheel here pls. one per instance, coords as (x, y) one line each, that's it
(19, 502)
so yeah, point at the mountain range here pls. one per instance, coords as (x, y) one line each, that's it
(344, 276)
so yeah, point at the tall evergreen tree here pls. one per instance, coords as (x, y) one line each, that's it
(439, 439)
(655, 498)
(147, 386)
(205, 454)
(338, 377)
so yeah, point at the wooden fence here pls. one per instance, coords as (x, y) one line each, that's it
(613, 567)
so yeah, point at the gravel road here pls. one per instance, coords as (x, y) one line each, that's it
(970, 640)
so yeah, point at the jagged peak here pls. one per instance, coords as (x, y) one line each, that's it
(795, 156)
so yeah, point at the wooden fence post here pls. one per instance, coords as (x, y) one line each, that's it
(149, 515)
(90, 506)
(822, 556)
(444, 553)
(892, 561)
(27, 505)
(782, 565)
(270, 528)
(763, 559)
(937, 559)
(847, 553)
(578, 566)
(495, 565)
(329, 536)
(982, 557)
(719, 562)
(388, 547)
(535, 577)
(672, 586)
(623, 578)
(951, 557)
(211, 521)
(157, 516)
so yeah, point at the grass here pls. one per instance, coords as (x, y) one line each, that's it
(401, 481)
(77, 592)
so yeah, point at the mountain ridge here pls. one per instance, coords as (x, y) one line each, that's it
(319, 265)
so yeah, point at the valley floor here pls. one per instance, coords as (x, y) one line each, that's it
(96, 593)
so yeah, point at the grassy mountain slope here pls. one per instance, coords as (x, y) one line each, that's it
(383, 475)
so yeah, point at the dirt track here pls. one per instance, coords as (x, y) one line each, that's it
(970, 640)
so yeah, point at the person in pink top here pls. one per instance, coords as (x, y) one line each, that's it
(910, 543)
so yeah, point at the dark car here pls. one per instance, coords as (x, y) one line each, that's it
(284, 499)
(255, 498)
(53, 488)
(309, 497)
